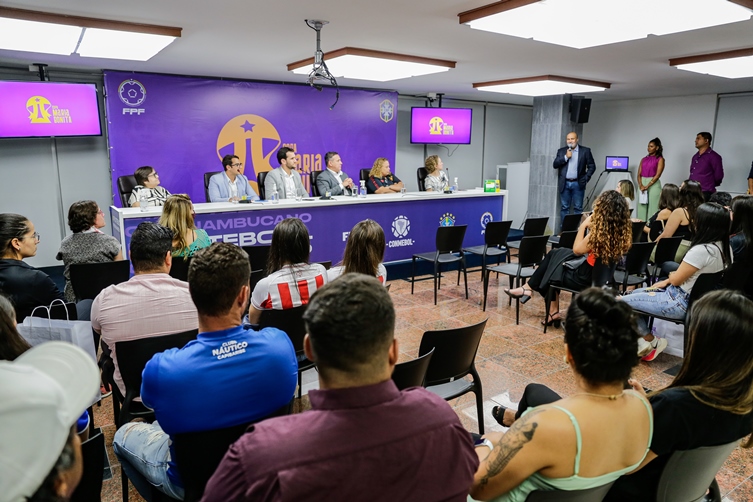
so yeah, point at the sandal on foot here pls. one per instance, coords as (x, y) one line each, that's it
(551, 321)
(498, 412)
(522, 297)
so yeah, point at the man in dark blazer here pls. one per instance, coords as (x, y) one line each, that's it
(576, 166)
(332, 178)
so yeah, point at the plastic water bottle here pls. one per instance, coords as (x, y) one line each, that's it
(454, 187)
(362, 190)
(273, 195)
(143, 201)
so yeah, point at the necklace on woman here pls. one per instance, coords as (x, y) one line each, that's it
(611, 397)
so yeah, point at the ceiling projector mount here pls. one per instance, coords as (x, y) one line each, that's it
(320, 72)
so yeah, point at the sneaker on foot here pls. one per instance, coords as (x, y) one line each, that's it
(104, 392)
(644, 347)
(658, 345)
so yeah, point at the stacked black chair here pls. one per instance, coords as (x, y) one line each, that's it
(495, 243)
(532, 227)
(636, 266)
(449, 244)
(412, 373)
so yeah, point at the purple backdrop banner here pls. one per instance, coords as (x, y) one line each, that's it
(184, 126)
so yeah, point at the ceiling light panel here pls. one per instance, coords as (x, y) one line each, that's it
(34, 36)
(113, 44)
(543, 85)
(741, 67)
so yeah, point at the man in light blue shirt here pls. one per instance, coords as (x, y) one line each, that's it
(230, 186)
(576, 166)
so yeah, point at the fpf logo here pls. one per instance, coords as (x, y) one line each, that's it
(440, 127)
(253, 139)
(447, 220)
(486, 218)
(39, 110)
(132, 93)
(386, 110)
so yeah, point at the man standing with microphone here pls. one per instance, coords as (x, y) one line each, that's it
(576, 166)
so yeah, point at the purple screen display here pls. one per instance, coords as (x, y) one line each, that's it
(41, 109)
(441, 125)
(616, 163)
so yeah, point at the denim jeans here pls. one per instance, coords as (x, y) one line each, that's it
(571, 195)
(144, 452)
(671, 303)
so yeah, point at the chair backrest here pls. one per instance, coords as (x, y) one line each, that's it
(59, 311)
(314, 190)
(197, 454)
(126, 184)
(454, 352)
(567, 239)
(179, 268)
(590, 495)
(666, 249)
(602, 274)
(290, 321)
(450, 239)
(421, 174)
(412, 373)
(636, 261)
(655, 229)
(256, 276)
(207, 177)
(326, 264)
(257, 256)
(535, 226)
(638, 233)
(738, 274)
(532, 250)
(134, 354)
(89, 279)
(688, 474)
(93, 455)
(496, 232)
(261, 177)
(571, 222)
(704, 284)
(363, 174)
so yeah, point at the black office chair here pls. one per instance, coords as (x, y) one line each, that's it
(412, 373)
(314, 190)
(421, 174)
(89, 279)
(260, 183)
(636, 266)
(291, 322)
(207, 177)
(453, 359)
(363, 174)
(638, 234)
(495, 241)
(257, 256)
(566, 240)
(179, 268)
(531, 227)
(126, 184)
(449, 244)
(570, 223)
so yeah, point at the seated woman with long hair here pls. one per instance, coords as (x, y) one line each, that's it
(681, 223)
(741, 240)
(669, 200)
(291, 279)
(710, 401)
(364, 252)
(709, 253)
(583, 441)
(610, 235)
(178, 216)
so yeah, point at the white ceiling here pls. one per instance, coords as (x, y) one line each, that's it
(257, 39)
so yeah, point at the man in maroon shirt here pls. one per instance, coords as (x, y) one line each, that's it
(363, 439)
(706, 166)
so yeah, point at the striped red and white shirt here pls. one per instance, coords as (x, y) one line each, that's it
(291, 286)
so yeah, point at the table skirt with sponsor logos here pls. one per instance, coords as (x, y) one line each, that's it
(410, 221)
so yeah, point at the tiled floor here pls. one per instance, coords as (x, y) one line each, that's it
(509, 357)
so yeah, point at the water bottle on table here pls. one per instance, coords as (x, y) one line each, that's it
(362, 190)
(273, 196)
(454, 187)
(143, 201)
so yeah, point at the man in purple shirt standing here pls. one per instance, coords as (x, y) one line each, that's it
(363, 439)
(706, 166)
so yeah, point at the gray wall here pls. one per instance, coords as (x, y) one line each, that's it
(732, 139)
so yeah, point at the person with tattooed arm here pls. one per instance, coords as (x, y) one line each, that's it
(586, 440)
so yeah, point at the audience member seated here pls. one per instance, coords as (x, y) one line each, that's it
(151, 303)
(627, 189)
(87, 244)
(381, 180)
(364, 252)
(742, 228)
(669, 200)
(363, 438)
(710, 402)
(228, 376)
(291, 279)
(27, 286)
(586, 440)
(724, 199)
(147, 183)
(709, 253)
(681, 222)
(609, 237)
(232, 185)
(285, 181)
(42, 394)
(178, 216)
(437, 180)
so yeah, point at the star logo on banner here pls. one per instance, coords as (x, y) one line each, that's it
(247, 126)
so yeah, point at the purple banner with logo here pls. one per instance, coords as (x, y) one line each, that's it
(410, 225)
(184, 126)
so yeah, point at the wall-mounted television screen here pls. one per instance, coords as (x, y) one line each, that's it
(449, 126)
(616, 164)
(45, 109)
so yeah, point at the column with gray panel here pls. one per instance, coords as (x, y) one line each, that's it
(551, 123)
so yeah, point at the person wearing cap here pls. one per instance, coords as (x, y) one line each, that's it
(228, 376)
(42, 394)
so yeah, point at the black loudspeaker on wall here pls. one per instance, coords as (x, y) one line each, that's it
(580, 109)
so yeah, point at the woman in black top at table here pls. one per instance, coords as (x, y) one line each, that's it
(381, 180)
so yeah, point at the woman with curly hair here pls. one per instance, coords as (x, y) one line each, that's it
(609, 238)
(437, 180)
(381, 179)
(178, 216)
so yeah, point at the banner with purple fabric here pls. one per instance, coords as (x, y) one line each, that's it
(183, 127)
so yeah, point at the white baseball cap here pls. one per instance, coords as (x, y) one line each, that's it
(42, 394)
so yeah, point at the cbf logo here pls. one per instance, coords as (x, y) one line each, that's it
(439, 127)
(447, 220)
(41, 111)
(486, 218)
(400, 229)
(386, 110)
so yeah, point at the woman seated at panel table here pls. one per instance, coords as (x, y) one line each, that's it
(669, 200)
(364, 252)
(87, 244)
(178, 216)
(147, 183)
(381, 180)
(437, 180)
(291, 279)
(583, 441)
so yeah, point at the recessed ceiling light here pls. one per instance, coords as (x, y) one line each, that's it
(33, 36)
(378, 66)
(113, 44)
(729, 64)
(588, 23)
(543, 85)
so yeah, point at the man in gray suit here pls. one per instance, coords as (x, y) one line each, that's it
(285, 179)
(333, 179)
